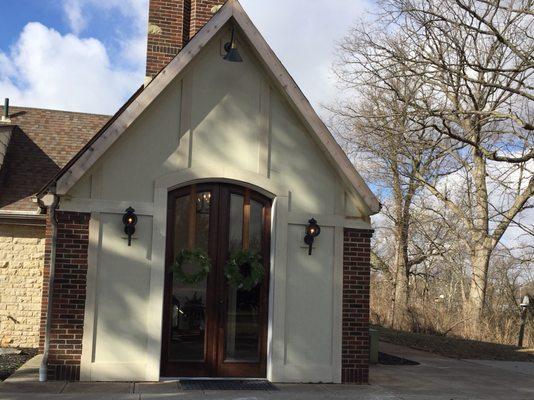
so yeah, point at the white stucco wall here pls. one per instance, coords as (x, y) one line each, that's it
(216, 121)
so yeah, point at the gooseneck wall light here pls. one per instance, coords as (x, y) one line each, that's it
(232, 53)
(312, 231)
(129, 220)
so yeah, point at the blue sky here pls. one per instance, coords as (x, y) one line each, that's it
(109, 25)
(88, 55)
(17, 13)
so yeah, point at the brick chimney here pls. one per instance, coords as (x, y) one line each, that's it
(171, 23)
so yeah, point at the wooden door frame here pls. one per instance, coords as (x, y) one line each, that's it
(193, 368)
(213, 364)
(244, 369)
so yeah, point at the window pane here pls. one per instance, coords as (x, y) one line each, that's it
(189, 300)
(243, 326)
(256, 226)
(180, 224)
(243, 320)
(203, 220)
(236, 223)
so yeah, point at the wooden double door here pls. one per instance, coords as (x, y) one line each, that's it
(211, 328)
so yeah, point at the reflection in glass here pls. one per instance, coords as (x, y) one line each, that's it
(203, 203)
(243, 318)
(236, 223)
(189, 300)
(242, 330)
(180, 223)
(203, 220)
(256, 226)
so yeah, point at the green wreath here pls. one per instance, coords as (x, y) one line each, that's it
(244, 270)
(198, 257)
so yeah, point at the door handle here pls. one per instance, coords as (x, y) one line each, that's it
(222, 307)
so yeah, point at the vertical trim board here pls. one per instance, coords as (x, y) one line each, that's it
(88, 342)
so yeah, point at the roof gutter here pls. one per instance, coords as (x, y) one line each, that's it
(22, 219)
(51, 201)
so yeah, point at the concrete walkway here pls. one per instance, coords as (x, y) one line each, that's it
(28, 373)
(436, 378)
(444, 378)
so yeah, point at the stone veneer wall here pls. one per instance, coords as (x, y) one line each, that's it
(21, 269)
(68, 305)
(356, 285)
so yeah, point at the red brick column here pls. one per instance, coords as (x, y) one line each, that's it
(356, 282)
(170, 18)
(68, 303)
(201, 13)
(172, 24)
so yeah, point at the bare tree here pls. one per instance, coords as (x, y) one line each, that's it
(474, 63)
(379, 128)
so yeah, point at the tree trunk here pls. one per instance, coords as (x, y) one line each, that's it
(400, 318)
(400, 313)
(403, 202)
(481, 246)
(477, 290)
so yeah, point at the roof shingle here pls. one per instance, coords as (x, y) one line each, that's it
(42, 142)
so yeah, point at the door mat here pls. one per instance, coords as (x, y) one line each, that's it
(226, 384)
(388, 359)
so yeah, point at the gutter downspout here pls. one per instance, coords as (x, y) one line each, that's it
(43, 368)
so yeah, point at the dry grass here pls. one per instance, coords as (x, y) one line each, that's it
(429, 314)
(456, 347)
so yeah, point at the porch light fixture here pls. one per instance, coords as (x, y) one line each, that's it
(232, 53)
(312, 231)
(129, 220)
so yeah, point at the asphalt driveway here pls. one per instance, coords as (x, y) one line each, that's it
(445, 378)
(436, 378)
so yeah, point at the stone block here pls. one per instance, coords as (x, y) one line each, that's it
(21, 270)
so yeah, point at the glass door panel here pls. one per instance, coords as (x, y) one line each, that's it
(188, 310)
(243, 325)
(235, 236)
(242, 342)
(256, 226)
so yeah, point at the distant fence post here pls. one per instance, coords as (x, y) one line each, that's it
(525, 304)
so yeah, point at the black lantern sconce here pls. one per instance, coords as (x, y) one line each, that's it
(312, 231)
(232, 53)
(129, 220)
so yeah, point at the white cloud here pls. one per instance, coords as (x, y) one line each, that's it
(76, 19)
(81, 74)
(6, 66)
(46, 69)
(77, 12)
(50, 70)
(131, 37)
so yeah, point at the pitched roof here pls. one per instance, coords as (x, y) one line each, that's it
(42, 142)
(231, 11)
